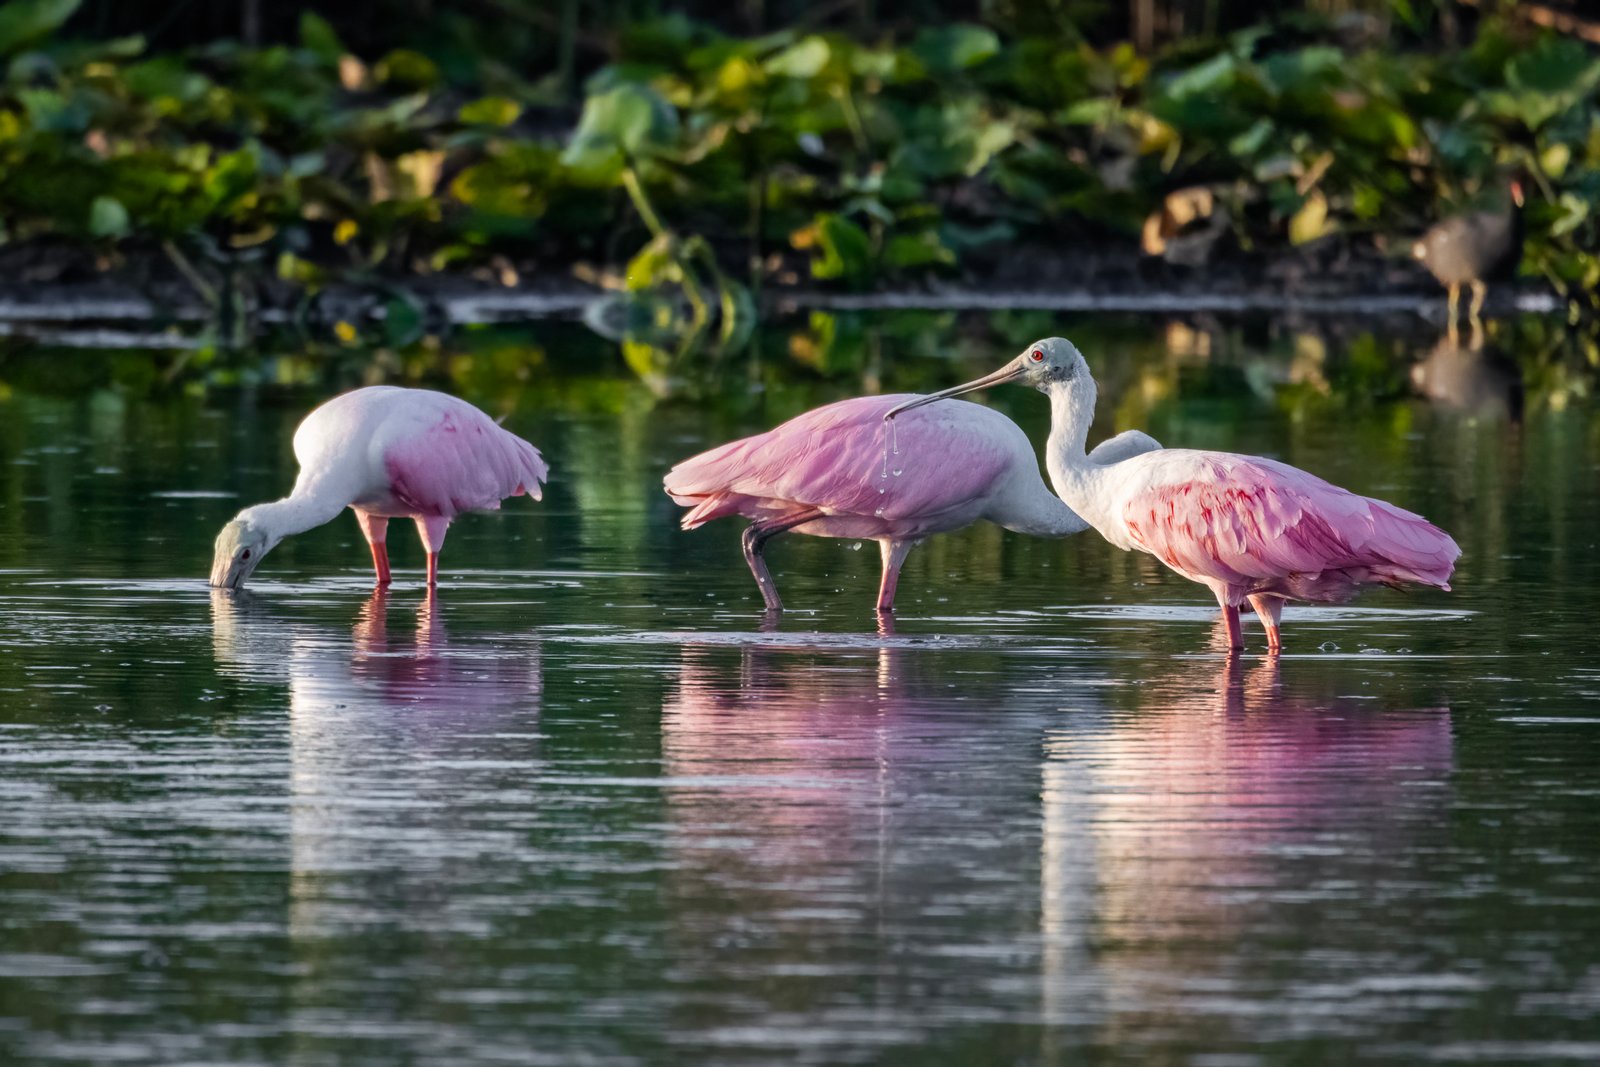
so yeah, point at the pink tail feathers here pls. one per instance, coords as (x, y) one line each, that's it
(535, 470)
(1410, 546)
(704, 509)
(702, 484)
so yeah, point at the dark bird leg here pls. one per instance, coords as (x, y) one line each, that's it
(894, 554)
(755, 539)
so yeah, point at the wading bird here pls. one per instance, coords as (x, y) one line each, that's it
(842, 470)
(1247, 528)
(385, 453)
(1473, 250)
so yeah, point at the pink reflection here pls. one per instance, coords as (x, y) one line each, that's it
(1192, 813)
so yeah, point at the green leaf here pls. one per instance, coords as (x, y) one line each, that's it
(628, 121)
(846, 250)
(406, 69)
(1206, 78)
(22, 22)
(1311, 221)
(1251, 141)
(946, 49)
(803, 60)
(108, 218)
(1556, 64)
(655, 264)
(910, 251)
(319, 38)
(490, 111)
(1573, 213)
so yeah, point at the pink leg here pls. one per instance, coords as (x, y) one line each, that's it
(1269, 608)
(375, 528)
(431, 528)
(894, 555)
(1230, 624)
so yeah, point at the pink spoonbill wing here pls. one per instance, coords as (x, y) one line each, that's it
(1244, 520)
(455, 459)
(842, 458)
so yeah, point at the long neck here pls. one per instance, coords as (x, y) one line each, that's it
(1071, 412)
(308, 506)
(1032, 509)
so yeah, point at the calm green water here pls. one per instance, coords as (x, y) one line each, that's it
(584, 808)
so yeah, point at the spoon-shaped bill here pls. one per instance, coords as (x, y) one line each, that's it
(1010, 372)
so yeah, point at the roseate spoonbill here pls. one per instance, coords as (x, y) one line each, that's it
(385, 453)
(841, 470)
(1247, 528)
(1473, 250)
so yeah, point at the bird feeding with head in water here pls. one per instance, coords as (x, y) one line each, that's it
(841, 470)
(1248, 528)
(385, 453)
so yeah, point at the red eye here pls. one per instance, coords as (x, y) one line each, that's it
(1038, 355)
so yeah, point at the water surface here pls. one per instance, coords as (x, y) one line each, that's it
(584, 806)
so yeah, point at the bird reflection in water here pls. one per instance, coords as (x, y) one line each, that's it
(822, 803)
(393, 741)
(1180, 835)
(1473, 379)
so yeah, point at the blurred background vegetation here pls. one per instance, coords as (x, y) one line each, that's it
(697, 153)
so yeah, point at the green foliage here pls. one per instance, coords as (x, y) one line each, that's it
(863, 160)
(23, 22)
(620, 126)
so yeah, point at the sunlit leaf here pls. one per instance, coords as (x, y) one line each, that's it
(1311, 221)
(628, 121)
(490, 111)
(841, 249)
(803, 60)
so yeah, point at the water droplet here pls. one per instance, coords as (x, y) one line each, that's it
(856, 547)
(879, 512)
(898, 471)
(1327, 646)
(880, 489)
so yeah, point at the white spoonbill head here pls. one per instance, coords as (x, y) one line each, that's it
(239, 549)
(1049, 361)
(1043, 365)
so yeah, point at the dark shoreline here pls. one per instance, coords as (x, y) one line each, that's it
(69, 288)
